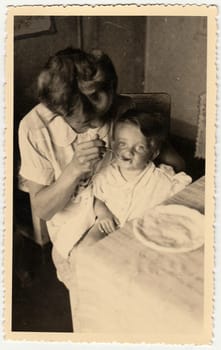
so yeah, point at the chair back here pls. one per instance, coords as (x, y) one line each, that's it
(154, 101)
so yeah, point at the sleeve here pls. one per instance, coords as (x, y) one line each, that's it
(178, 180)
(98, 186)
(34, 166)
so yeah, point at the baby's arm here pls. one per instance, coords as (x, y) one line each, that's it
(106, 220)
(169, 156)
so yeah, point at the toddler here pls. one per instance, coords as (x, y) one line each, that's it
(131, 184)
(127, 184)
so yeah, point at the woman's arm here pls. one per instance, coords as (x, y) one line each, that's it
(48, 200)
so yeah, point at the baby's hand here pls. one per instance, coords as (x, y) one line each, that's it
(107, 225)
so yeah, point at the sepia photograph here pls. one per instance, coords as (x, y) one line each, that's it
(110, 182)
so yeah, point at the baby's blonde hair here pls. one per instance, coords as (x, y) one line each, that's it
(151, 124)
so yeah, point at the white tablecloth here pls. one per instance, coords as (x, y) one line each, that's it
(123, 287)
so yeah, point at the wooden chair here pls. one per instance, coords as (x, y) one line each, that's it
(38, 232)
(156, 101)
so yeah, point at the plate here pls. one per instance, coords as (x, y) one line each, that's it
(171, 228)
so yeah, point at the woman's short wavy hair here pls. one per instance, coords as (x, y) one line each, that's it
(71, 75)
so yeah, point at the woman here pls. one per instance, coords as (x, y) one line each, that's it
(66, 134)
(58, 137)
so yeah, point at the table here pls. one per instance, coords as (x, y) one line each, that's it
(124, 287)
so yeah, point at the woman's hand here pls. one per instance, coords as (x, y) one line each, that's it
(49, 200)
(86, 155)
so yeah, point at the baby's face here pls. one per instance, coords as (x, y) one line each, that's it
(130, 147)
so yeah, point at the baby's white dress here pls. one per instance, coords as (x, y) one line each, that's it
(127, 200)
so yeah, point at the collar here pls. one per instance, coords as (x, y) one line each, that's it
(148, 169)
(61, 132)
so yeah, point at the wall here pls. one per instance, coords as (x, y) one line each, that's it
(176, 63)
(150, 53)
(123, 39)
